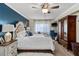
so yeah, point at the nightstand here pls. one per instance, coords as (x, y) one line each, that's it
(9, 49)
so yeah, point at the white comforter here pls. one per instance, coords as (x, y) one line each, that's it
(35, 42)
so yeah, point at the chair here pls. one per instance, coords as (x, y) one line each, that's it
(75, 48)
(52, 34)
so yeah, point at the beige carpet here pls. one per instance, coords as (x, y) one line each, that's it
(34, 54)
(61, 51)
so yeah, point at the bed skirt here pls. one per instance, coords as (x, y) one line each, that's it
(36, 50)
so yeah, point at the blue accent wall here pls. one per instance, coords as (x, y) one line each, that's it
(7, 15)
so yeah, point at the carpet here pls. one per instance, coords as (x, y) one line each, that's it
(34, 54)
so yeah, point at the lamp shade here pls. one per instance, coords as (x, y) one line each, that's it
(7, 28)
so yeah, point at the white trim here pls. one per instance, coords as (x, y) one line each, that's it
(17, 11)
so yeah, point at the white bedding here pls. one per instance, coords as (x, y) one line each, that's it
(38, 35)
(35, 42)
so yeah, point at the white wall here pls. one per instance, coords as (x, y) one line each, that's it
(77, 29)
(31, 24)
(55, 29)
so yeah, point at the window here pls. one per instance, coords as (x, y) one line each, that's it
(42, 27)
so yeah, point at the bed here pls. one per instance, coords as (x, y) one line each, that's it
(35, 42)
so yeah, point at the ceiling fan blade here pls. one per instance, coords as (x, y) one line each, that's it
(54, 7)
(34, 7)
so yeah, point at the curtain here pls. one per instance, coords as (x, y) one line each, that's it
(42, 26)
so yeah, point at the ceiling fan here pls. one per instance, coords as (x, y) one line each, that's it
(45, 7)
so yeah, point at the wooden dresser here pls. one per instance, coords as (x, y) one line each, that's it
(8, 49)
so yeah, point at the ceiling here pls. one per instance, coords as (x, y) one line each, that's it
(26, 10)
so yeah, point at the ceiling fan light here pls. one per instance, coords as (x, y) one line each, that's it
(44, 10)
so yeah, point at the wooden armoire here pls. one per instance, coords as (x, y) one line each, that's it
(67, 31)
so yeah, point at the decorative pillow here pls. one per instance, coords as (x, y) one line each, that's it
(29, 33)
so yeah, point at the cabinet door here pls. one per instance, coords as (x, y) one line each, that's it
(2, 53)
(11, 50)
(71, 30)
(14, 49)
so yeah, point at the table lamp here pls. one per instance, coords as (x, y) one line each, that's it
(8, 28)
